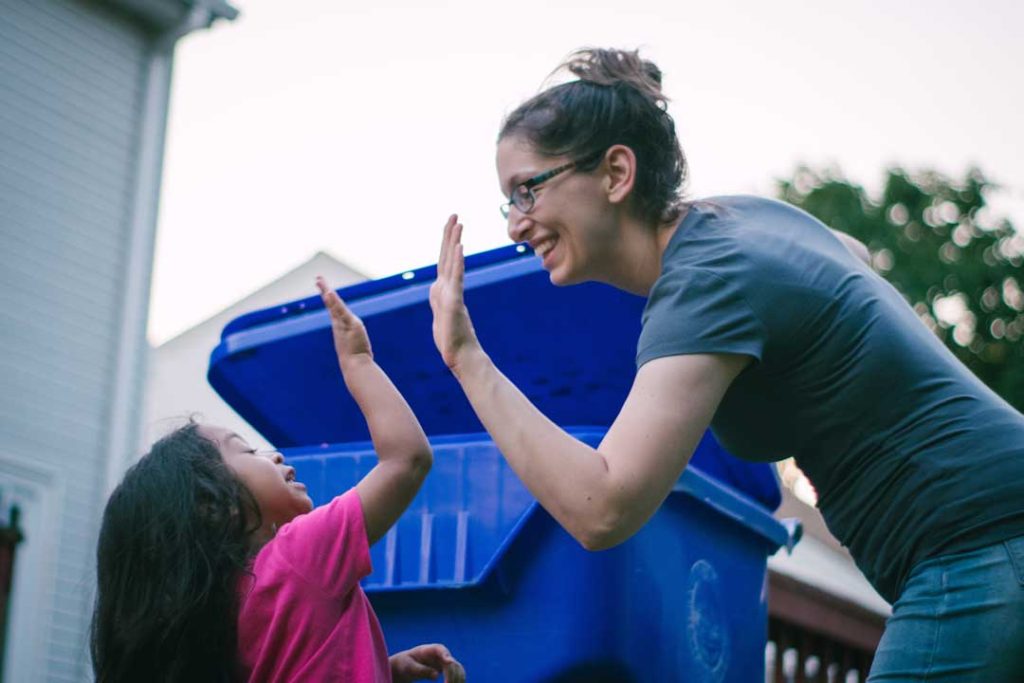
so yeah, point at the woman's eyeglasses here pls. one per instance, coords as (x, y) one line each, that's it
(522, 194)
(523, 197)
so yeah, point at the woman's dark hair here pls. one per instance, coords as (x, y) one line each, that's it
(617, 100)
(173, 544)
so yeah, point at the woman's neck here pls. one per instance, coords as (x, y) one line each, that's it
(638, 260)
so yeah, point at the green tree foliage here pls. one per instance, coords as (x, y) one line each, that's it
(931, 237)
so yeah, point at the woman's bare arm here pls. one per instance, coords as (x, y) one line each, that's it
(601, 496)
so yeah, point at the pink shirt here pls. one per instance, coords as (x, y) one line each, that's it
(304, 616)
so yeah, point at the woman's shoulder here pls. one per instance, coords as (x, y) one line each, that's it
(744, 206)
(750, 240)
(715, 228)
(748, 223)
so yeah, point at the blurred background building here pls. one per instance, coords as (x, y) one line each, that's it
(176, 386)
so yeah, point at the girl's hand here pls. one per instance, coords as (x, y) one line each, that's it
(426, 662)
(453, 329)
(350, 339)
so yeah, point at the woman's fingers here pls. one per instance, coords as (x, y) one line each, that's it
(451, 263)
(459, 268)
(443, 260)
(451, 250)
(456, 263)
(453, 245)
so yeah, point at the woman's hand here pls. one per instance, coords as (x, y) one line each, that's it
(351, 342)
(453, 329)
(426, 662)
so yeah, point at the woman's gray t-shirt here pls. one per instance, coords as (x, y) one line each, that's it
(911, 455)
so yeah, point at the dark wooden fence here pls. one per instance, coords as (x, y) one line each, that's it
(816, 637)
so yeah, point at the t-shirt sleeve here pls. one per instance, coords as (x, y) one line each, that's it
(694, 310)
(328, 546)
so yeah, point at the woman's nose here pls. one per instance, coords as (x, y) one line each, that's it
(518, 225)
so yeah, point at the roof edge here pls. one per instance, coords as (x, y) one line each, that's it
(163, 15)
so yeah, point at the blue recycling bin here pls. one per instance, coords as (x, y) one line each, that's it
(475, 562)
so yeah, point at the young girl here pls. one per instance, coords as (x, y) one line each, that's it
(213, 566)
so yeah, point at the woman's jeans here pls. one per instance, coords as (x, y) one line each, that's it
(960, 618)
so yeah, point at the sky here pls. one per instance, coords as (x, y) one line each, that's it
(357, 128)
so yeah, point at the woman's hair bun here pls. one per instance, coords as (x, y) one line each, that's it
(603, 66)
(614, 99)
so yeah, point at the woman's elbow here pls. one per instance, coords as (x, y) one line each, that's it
(595, 543)
(603, 533)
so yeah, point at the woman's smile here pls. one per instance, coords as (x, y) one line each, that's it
(543, 247)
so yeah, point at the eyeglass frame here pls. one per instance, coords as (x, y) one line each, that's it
(530, 183)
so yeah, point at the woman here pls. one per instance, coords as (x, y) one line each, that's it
(772, 329)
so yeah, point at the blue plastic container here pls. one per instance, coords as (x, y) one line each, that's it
(475, 563)
(571, 350)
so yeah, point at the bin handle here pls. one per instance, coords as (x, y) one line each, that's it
(794, 532)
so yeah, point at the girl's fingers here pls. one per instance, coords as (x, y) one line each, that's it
(420, 671)
(437, 653)
(454, 673)
(335, 306)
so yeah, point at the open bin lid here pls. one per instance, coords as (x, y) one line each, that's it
(571, 350)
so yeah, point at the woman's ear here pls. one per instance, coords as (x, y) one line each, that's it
(620, 173)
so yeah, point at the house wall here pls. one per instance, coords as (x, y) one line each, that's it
(83, 89)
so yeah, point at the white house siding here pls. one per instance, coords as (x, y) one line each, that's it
(73, 95)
